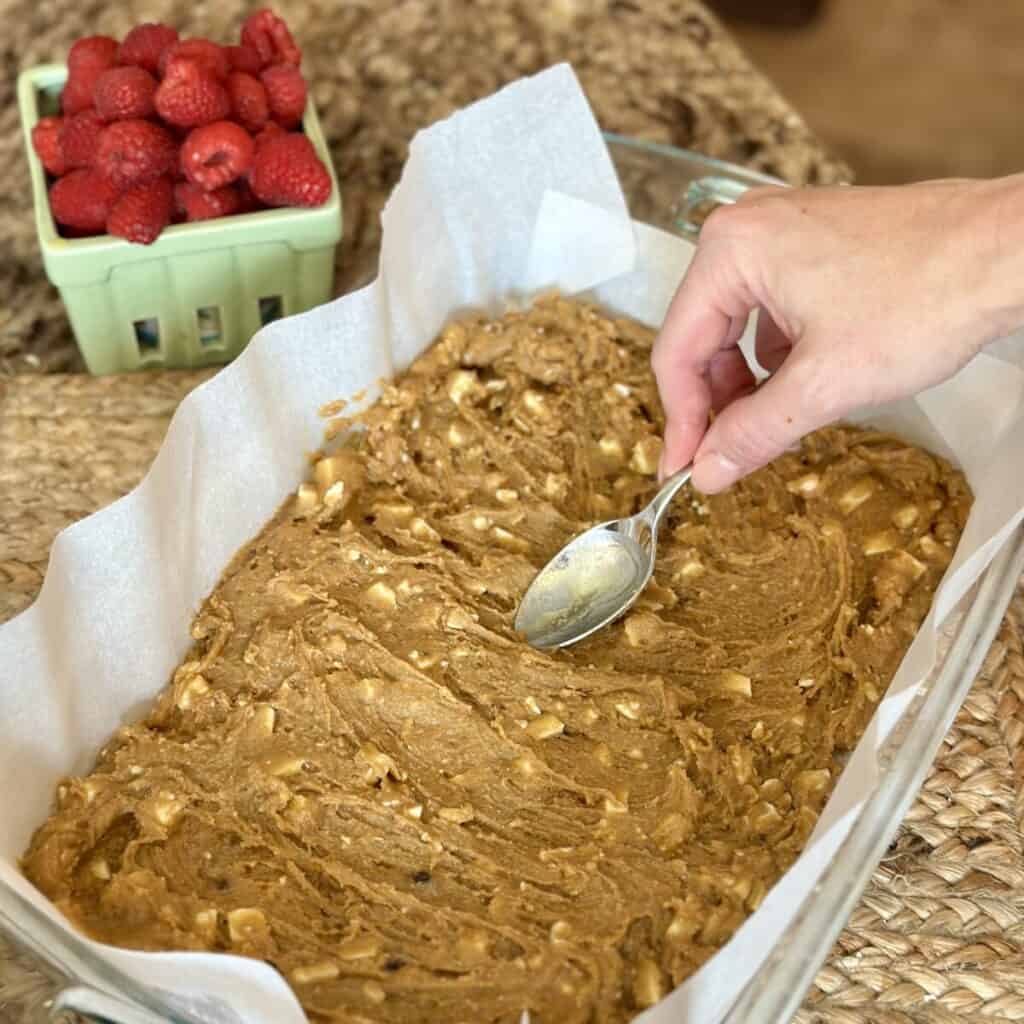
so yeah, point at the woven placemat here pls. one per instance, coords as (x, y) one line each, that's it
(939, 935)
(661, 70)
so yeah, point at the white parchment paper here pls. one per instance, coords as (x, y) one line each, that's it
(514, 194)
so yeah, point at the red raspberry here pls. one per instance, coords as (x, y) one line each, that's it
(93, 53)
(77, 93)
(133, 152)
(268, 35)
(189, 95)
(123, 93)
(247, 201)
(145, 44)
(46, 143)
(142, 212)
(204, 52)
(198, 204)
(81, 200)
(287, 172)
(80, 138)
(244, 58)
(216, 154)
(271, 130)
(87, 60)
(286, 94)
(248, 100)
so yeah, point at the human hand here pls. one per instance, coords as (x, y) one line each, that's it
(864, 294)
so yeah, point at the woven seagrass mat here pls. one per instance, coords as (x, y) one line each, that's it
(939, 935)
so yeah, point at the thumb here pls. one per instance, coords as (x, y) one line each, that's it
(753, 430)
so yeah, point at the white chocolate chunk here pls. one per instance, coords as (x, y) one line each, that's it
(509, 540)
(422, 530)
(906, 516)
(192, 691)
(735, 682)
(285, 765)
(460, 384)
(809, 784)
(100, 869)
(855, 496)
(879, 543)
(206, 924)
(361, 948)
(374, 992)
(546, 726)
(611, 448)
(805, 485)
(166, 808)
(647, 983)
(629, 709)
(534, 402)
(381, 596)
(307, 498)
(457, 815)
(247, 924)
(458, 435)
(310, 974)
(645, 457)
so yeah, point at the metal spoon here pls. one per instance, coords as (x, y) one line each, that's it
(596, 577)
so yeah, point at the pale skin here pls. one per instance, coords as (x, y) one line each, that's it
(864, 295)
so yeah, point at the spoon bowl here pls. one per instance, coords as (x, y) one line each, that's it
(596, 577)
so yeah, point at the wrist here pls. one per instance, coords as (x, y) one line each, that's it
(993, 240)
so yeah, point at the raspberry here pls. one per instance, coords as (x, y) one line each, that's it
(77, 93)
(198, 204)
(81, 200)
(133, 152)
(204, 52)
(142, 212)
(247, 201)
(287, 172)
(46, 143)
(189, 95)
(286, 94)
(80, 138)
(248, 100)
(145, 44)
(271, 130)
(244, 58)
(268, 35)
(216, 154)
(93, 53)
(123, 93)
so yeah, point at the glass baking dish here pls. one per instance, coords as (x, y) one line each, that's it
(675, 190)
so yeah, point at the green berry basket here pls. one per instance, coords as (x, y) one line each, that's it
(197, 294)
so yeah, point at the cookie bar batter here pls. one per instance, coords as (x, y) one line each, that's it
(363, 776)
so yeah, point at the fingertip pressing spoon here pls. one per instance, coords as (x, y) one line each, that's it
(596, 577)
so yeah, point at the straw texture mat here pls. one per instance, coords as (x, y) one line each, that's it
(939, 935)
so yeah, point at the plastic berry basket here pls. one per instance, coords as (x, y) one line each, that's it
(199, 293)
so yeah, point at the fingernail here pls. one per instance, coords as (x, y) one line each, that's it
(661, 467)
(713, 473)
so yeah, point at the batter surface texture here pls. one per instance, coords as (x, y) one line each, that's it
(363, 776)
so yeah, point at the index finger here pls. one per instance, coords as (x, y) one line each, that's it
(707, 314)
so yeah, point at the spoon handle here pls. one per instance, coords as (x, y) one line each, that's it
(656, 509)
